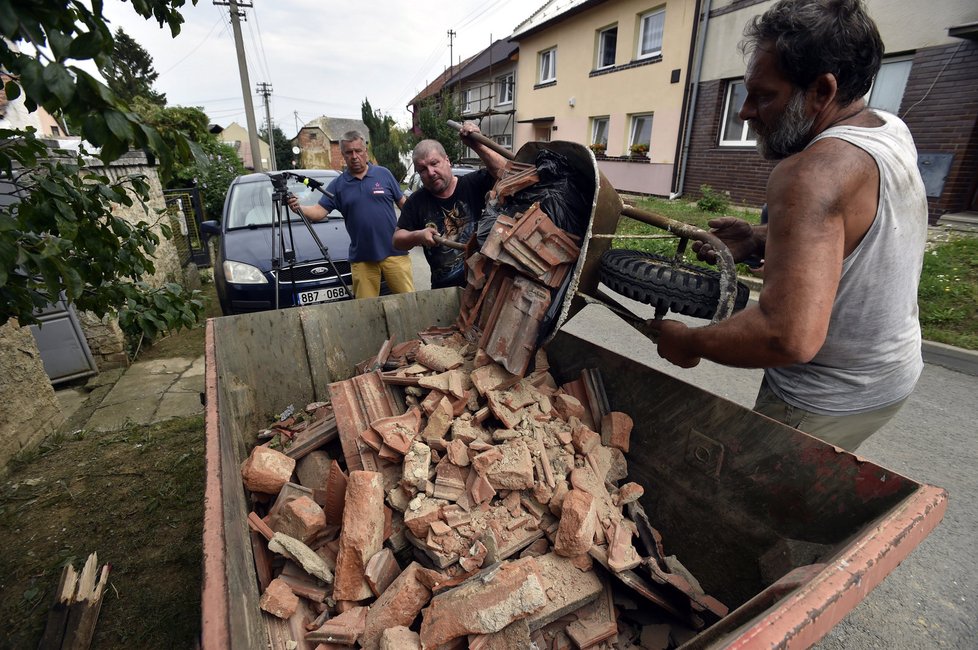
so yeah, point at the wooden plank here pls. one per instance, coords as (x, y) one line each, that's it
(243, 622)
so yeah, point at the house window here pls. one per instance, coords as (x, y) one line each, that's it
(542, 133)
(504, 89)
(548, 65)
(55, 131)
(471, 100)
(886, 93)
(735, 132)
(641, 131)
(651, 26)
(504, 140)
(607, 47)
(599, 130)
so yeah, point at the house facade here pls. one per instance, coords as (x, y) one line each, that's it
(486, 91)
(319, 141)
(608, 74)
(929, 78)
(237, 136)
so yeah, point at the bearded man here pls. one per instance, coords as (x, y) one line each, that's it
(836, 326)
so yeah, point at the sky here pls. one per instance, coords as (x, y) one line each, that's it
(321, 57)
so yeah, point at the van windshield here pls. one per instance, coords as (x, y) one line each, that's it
(251, 203)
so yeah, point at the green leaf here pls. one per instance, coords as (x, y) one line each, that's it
(60, 44)
(12, 90)
(59, 82)
(8, 19)
(119, 125)
(86, 46)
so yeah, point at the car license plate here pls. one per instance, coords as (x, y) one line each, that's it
(321, 295)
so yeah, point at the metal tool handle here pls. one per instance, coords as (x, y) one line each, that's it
(481, 139)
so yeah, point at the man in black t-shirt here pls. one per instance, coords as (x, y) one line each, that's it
(447, 205)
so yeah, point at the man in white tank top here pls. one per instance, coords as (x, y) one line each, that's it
(836, 326)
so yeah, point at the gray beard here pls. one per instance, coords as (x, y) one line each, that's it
(791, 132)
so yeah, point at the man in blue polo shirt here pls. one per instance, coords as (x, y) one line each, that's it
(366, 195)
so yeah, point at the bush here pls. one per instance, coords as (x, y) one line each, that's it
(712, 200)
(639, 149)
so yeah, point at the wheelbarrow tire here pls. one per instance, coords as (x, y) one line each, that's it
(656, 280)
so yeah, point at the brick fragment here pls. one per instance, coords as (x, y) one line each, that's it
(485, 459)
(362, 534)
(381, 570)
(344, 629)
(492, 377)
(575, 533)
(568, 406)
(335, 494)
(438, 357)
(568, 589)
(266, 470)
(417, 464)
(595, 623)
(421, 512)
(439, 420)
(514, 471)
(400, 638)
(484, 604)
(458, 453)
(301, 518)
(584, 439)
(616, 430)
(627, 493)
(399, 605)
(278, 599)
(514, 635)
(312, 470)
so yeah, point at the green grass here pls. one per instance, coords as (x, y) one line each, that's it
(685, 211)
(135, 497)
(948, 295)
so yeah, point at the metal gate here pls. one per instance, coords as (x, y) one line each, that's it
(186, 214)
(61, 341)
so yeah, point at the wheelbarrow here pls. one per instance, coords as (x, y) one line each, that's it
(666, 283)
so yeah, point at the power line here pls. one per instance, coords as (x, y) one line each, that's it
(220, 19)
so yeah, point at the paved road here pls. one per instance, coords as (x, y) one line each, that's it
(931, 600)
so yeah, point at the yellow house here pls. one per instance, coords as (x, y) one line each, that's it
(237, 136)
(612, 73)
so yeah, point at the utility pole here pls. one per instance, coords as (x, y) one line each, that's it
(451, 35)
(265, 89)
(236, 15)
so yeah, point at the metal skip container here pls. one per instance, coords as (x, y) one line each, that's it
(789, 531)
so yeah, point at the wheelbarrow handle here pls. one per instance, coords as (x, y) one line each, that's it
(459, 246)
(481, 139)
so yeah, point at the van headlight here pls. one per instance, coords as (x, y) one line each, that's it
(241, 273)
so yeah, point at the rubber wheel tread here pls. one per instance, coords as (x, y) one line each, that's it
(656, 280)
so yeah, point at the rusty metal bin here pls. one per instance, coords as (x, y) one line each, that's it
(789, 531)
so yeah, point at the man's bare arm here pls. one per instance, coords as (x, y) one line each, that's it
(808, 199)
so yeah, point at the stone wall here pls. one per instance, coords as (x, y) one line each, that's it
(29, 409)
(105, 340)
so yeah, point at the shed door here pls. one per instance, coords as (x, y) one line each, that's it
(62, 343)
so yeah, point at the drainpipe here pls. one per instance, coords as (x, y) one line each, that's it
(677, 190)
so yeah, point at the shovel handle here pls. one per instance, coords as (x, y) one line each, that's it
(483, 140)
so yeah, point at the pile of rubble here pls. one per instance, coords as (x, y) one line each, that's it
(474, 495)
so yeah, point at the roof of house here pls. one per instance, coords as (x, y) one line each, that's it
(494, 55)
(335, 127)
(440, 81)
(551, 12)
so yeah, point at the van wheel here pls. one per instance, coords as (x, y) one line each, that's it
(656, 280)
